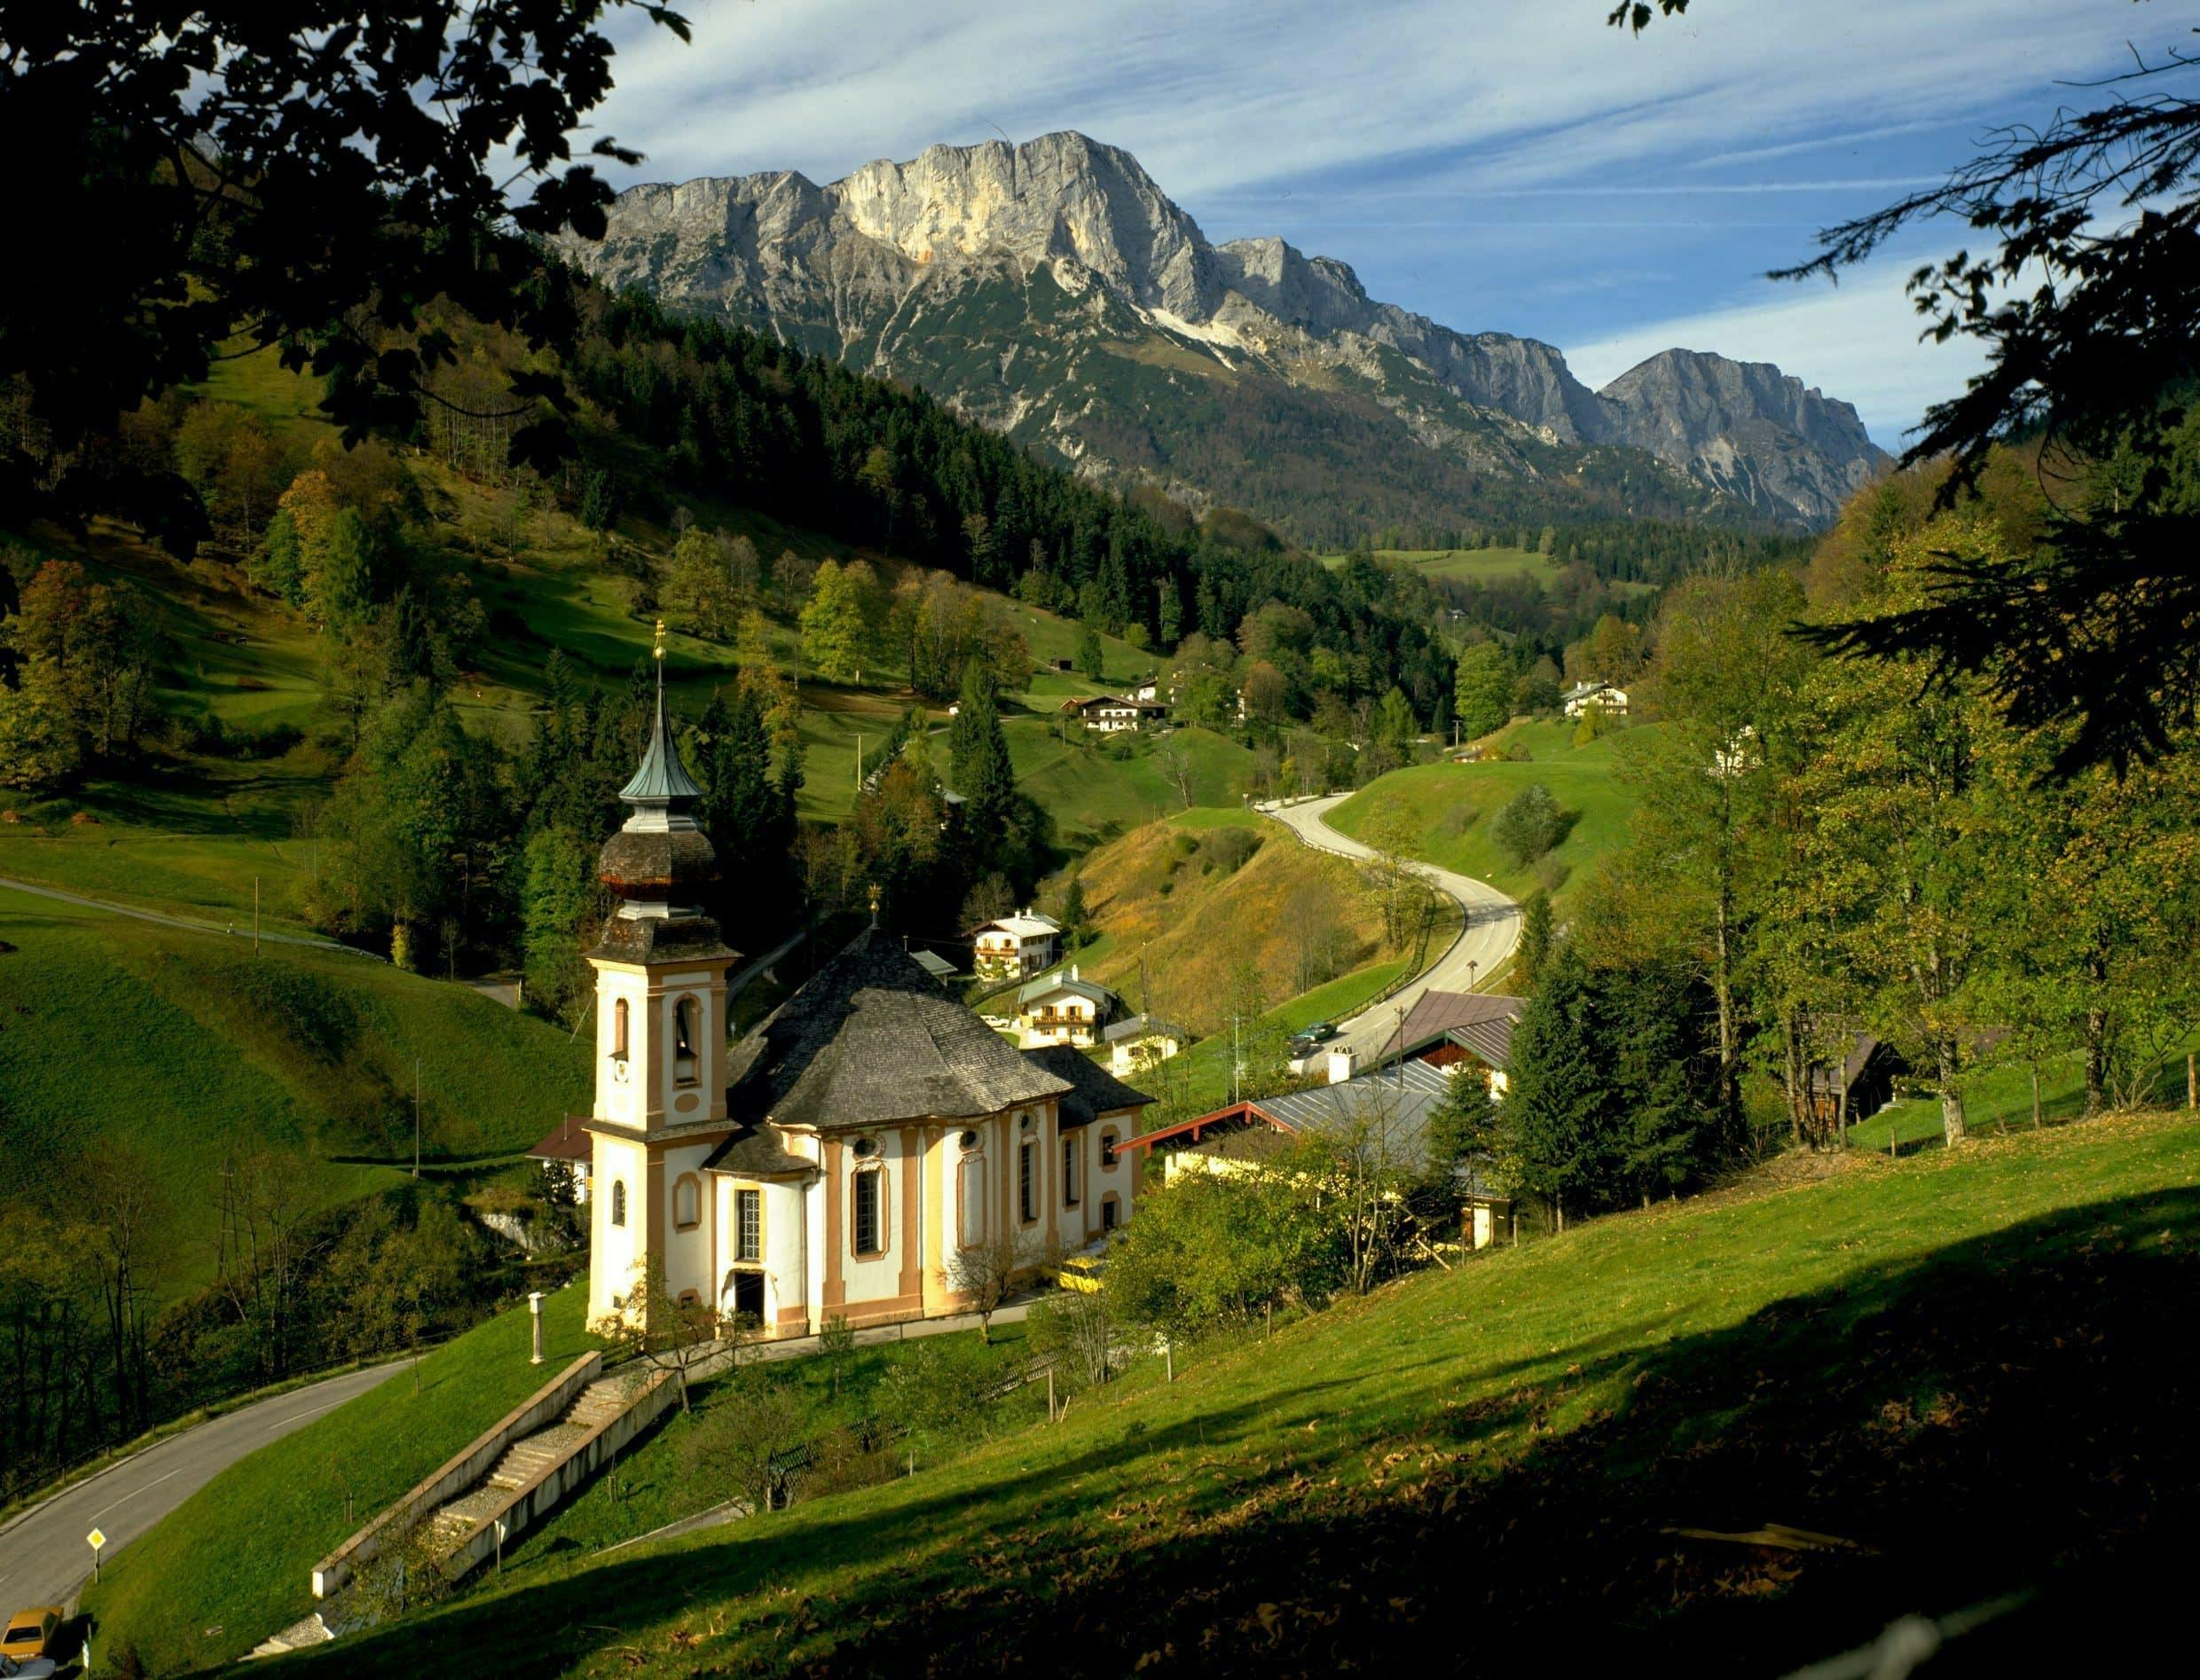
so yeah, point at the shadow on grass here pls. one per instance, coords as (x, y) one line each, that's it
(2007, 1415)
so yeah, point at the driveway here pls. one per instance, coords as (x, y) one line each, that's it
(1493, 925)
(44, 1559)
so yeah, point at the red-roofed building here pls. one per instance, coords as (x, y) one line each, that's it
(1447, 1029)
(566, 1155)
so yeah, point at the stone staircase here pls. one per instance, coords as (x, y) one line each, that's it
(458, 1520)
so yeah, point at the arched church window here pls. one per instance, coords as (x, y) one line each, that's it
(618, 1029)
(685, 1037)
(970, 1200)
(619, 1201)
(867, 1190)
(687, 1202)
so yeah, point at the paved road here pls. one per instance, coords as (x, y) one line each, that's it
(1493, 925)
(43, 1560)
(234, 930)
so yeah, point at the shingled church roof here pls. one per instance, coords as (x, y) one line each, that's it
(872, 1040)
(1096, 1091)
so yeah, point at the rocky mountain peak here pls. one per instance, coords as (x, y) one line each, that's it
(1748, 428)
(1052, 288)
(1061, 194)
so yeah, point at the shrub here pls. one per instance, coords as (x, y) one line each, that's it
(1228, 849)
(1530, 824)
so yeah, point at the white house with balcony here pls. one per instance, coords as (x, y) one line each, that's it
(1015, 947)
(1064, 1010)
(1600, 697)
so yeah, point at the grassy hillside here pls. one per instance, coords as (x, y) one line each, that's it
(1975, 1365)
(2000, 1099)
(1190, 900)
(178, 1045)
(1449, 806)
(1483, 565)
(189, 834)
(235, 1562)
(1096, 788)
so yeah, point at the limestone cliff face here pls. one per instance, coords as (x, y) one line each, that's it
(1745, 426)
(1054, 290)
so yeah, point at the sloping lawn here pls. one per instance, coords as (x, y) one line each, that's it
(1451, 808)
(1974, 1365)
(233, 1563)
(201, 1047)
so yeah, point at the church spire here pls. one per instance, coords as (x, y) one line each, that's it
(660, 862)
(662, 785)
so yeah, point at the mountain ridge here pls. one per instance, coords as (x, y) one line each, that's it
(1053, 290)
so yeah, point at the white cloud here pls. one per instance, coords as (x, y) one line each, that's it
(1347, 120)
(1857, 340)
(1216, 94)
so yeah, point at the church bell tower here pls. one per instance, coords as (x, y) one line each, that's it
(660, 1019)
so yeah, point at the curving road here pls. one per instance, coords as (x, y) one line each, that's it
(43, 1557)
(1493, 925)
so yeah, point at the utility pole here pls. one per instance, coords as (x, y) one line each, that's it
(1237, 1064)
(416, 1116)
(859, 764)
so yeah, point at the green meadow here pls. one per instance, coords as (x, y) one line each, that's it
(1865, 1355)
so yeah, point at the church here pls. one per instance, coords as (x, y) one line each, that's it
(848, 1157)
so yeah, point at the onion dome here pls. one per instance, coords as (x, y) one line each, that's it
(660, 863)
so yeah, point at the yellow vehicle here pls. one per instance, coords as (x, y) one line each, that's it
(1080, 1272)
(28, 1630)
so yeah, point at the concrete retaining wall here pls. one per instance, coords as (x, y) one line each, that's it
(544, 1407)
(537, 1498)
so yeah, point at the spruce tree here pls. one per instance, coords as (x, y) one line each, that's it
(1534, 949)
(1557, 1122)
(977, 755)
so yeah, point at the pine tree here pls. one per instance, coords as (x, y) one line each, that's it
(1558, 1128)
(977, 755)
(1534, 949)
(1171, 614)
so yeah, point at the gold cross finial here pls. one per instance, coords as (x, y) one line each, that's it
(874, 904)
(659, 649)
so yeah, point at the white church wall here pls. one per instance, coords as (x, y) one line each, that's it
(1119, 1180)
(877, 1277)
(785, 1260)
(685, 1101)
(814, 1195)
(614, 1249)
(687, 1256)
(622, 1081)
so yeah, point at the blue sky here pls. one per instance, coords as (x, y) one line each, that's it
(1501, 165)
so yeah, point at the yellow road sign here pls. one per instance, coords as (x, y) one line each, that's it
(96, 1539)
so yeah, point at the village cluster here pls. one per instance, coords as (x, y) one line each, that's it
(840, 1160)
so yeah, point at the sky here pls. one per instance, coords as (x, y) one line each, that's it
(1505, 166)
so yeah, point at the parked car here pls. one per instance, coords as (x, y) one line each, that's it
(1080, 1272)
(28, 1632)
(27, 1668)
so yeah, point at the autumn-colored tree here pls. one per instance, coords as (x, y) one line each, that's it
(1483, 690)
(84, 655)
(1267, 693)
(700, 595)
(833, 633)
